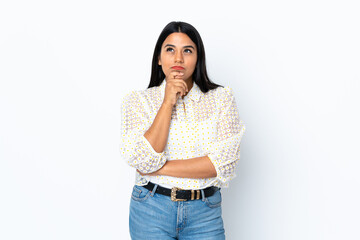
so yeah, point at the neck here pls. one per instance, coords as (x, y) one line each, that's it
(189, 82)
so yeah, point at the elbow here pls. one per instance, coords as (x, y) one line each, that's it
(144, 165)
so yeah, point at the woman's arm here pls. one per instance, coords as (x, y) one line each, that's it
(134, 147)
(158, 133)
(222, 155)
(200, 167)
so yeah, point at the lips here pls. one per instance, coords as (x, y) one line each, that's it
(177, 68)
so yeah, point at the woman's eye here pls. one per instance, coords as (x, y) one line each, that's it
(169, 49)
(189, 51)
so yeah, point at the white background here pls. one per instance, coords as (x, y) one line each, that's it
(294, 68)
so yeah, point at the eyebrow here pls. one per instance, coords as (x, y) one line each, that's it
(188, 46)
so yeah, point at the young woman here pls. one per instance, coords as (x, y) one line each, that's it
(183, 135)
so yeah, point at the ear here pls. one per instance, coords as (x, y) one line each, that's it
(159, 61)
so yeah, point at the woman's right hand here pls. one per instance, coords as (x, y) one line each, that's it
(175, 87)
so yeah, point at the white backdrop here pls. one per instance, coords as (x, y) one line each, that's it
(65, 66)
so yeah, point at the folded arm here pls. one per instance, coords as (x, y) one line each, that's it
(222, 155)
(138, 150)
(200, 167)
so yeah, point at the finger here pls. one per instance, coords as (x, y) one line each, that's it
(181, 81)
(179, 90)
(177, 74)
(177, 77)
(183, 84)
(181, 87)
(183, 91)
(177, 83)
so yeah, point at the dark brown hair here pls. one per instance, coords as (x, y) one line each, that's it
(199, 76)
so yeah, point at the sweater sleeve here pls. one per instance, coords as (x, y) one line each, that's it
(225, 152)
(135, 149)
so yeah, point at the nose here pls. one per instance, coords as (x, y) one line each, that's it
(179, 57)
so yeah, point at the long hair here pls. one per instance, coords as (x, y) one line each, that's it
(199, 76)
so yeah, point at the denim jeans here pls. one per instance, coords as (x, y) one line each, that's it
(155, 216)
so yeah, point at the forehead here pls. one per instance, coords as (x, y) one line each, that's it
(178, 39)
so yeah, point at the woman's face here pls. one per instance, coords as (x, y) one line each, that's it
(178, 50)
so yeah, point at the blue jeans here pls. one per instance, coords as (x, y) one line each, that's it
(155, 216)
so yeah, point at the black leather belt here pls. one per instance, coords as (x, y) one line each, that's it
(178, 194)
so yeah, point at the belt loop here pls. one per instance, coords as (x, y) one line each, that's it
(154, 190)
(203, 194)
